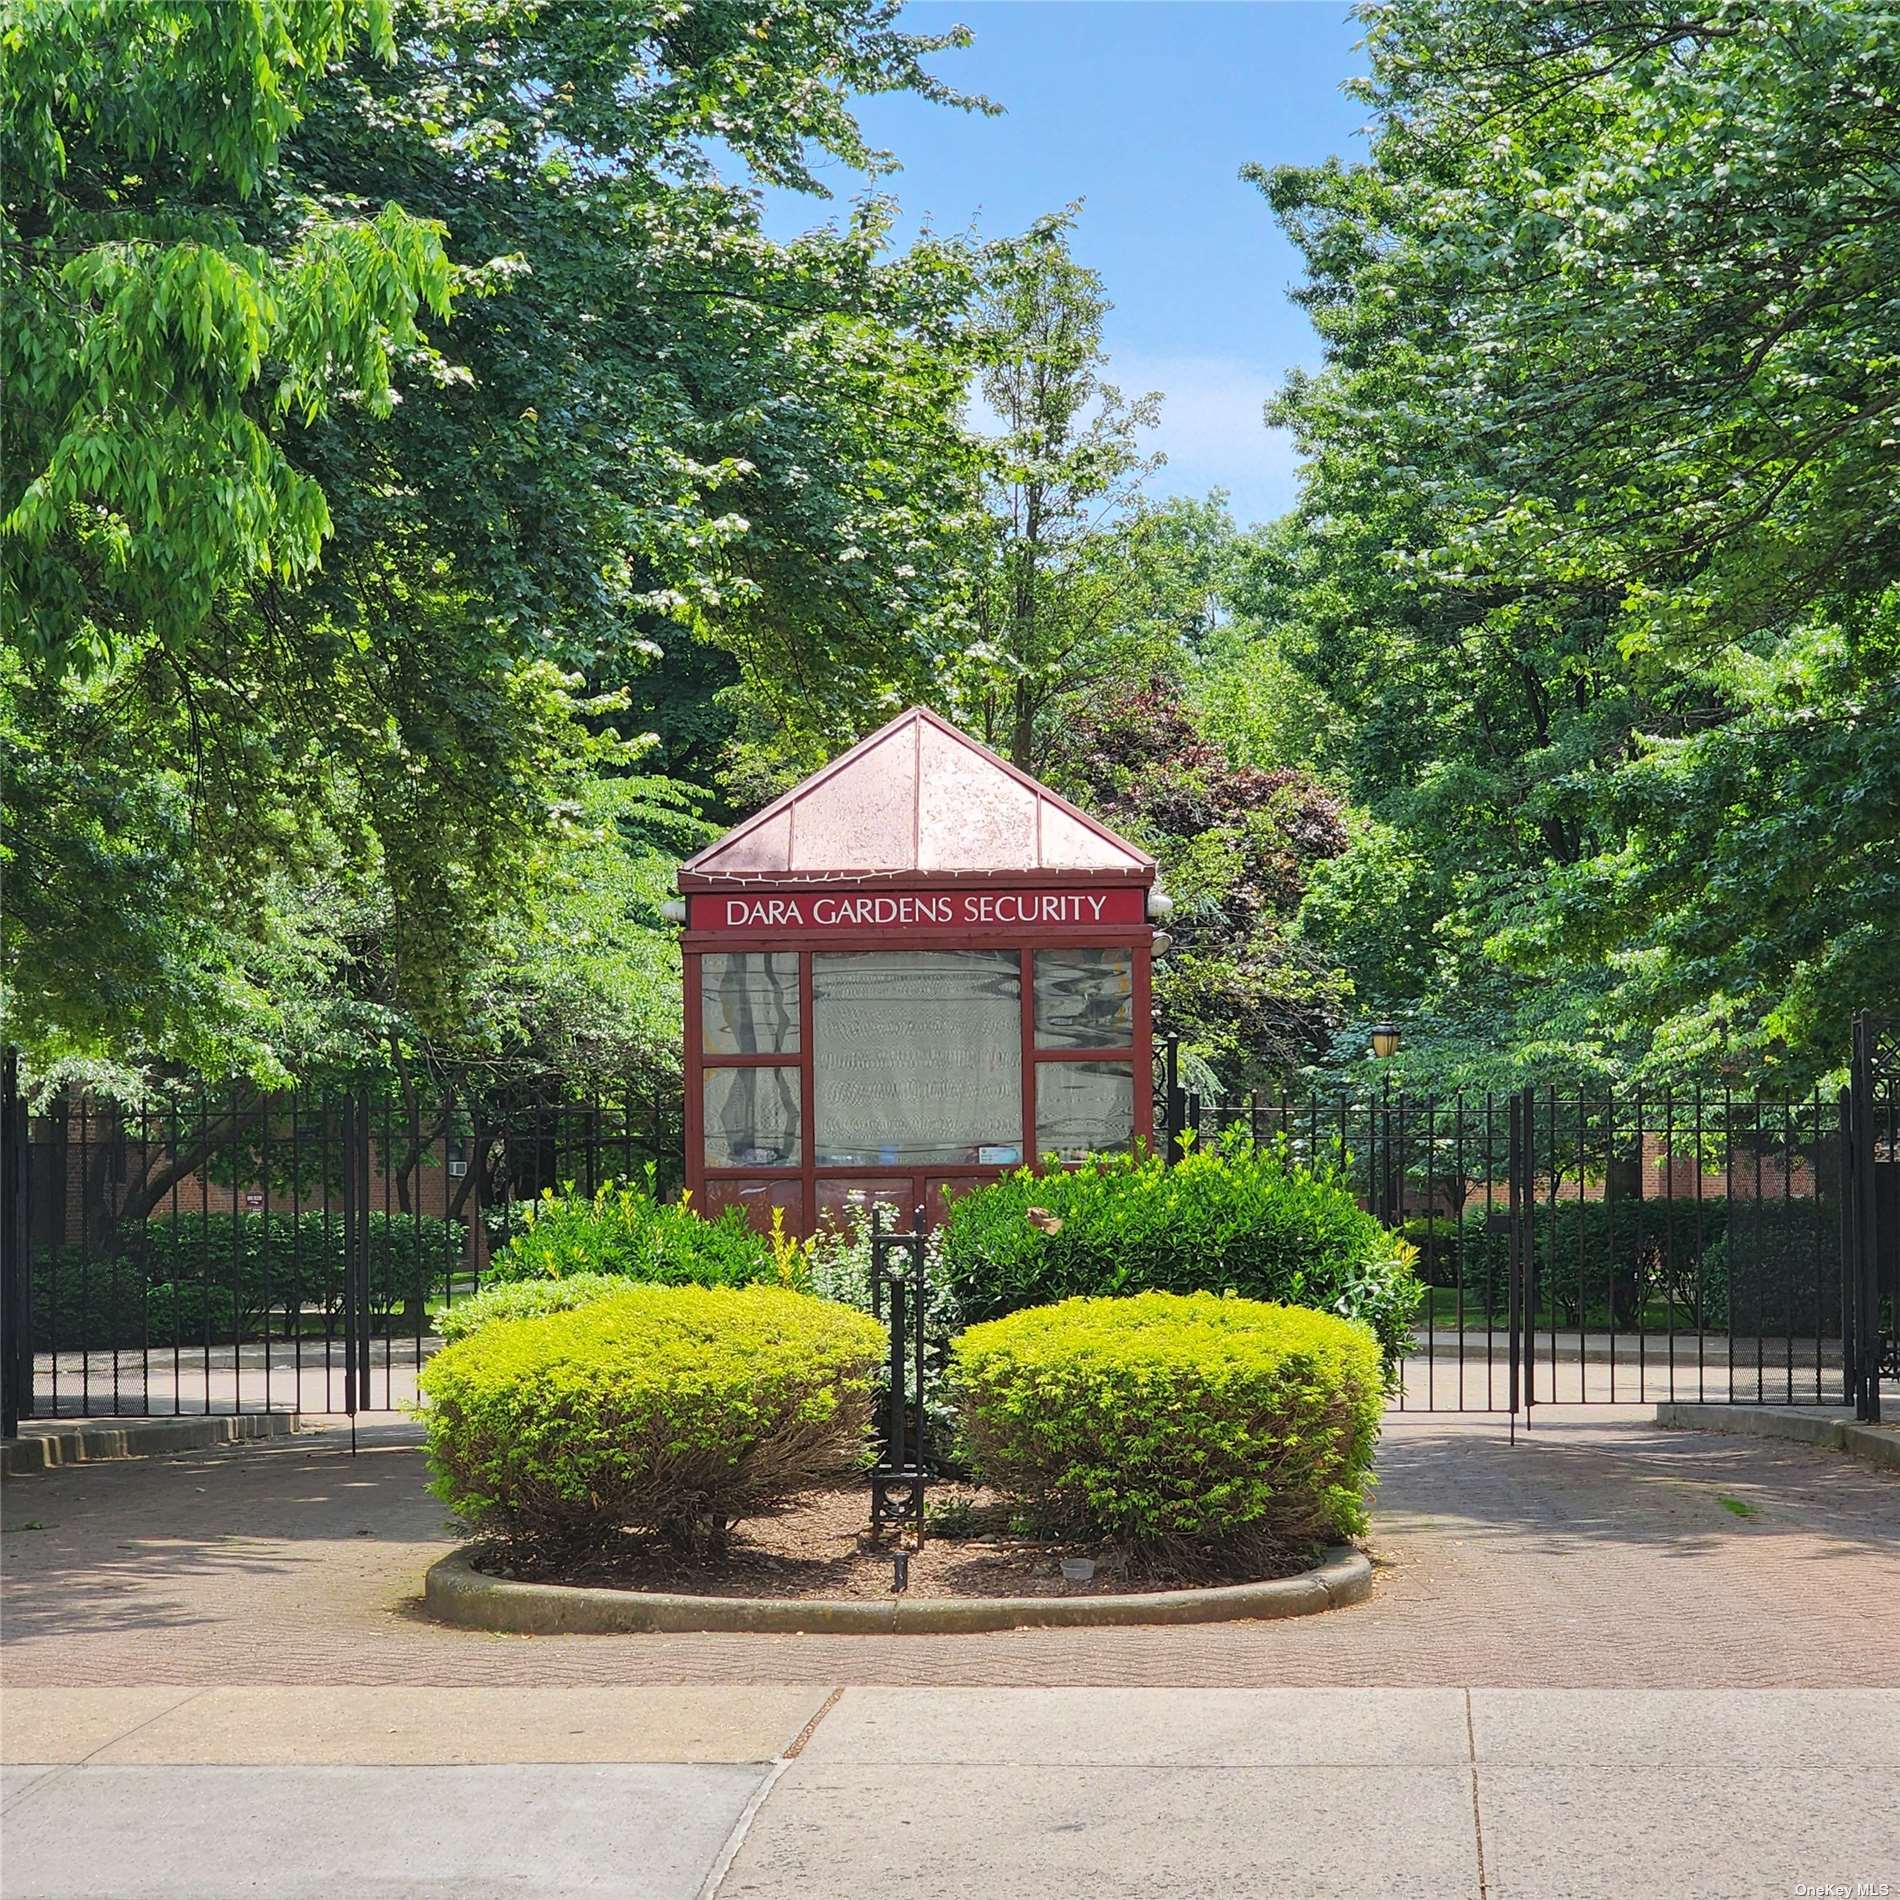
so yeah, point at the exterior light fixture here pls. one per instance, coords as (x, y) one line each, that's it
(1160, 904)
(1385, 1039)
(674, 910)
(1163, 943)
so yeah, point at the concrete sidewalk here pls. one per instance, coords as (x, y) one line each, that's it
(809, 1793)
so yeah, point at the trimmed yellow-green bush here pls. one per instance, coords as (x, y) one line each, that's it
(670, 1412)
(526, 1299)
(1197, 1432)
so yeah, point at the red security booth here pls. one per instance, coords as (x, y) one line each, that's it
(911, 973)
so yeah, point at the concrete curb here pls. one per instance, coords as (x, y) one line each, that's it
(456, 1592)
(1798, 1425)
(56, 1443)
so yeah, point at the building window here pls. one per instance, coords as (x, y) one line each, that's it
(917, 1058)
(1084, 1108)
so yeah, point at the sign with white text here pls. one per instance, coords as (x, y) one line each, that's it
(907, 912)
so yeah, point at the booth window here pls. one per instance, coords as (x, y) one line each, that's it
(1085, 1003)
(751, 1117)
(917, 1058)
(748, 1003)
(1085, 999)
(1084, 1108)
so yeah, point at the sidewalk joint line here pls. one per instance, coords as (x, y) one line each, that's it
(1477, 1817)
(722, 1864)
(158, 1715)
(810, 1729)
(50, 1772)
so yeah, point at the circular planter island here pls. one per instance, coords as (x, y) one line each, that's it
(456, 1592)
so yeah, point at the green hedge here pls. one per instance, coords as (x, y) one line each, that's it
(671, 1412)
(1436, 1238)
(1230, 1218)
(624, 1229)
(83, 1303)
(232, 1270)
(1599, 1259)
(95, 1305)
(1200, 1433)
(283, 1260)
(1609, 1261)
(1777, 1267)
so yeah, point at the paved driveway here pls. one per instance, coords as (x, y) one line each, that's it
(1602, 1553)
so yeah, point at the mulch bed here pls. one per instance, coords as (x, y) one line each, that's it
(817, 1547)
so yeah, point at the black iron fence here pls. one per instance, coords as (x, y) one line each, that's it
(225, 1250)
(1581, 1249)
(1871, 1146)
(221, 1250)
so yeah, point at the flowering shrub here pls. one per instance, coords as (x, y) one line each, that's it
(836, 1265)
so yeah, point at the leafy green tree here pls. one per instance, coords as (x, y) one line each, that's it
(258, 801)
(1057, 576)
(172, 312)
(1065, 575)
(1601, 515)
(1249, 699)
(1752, 902)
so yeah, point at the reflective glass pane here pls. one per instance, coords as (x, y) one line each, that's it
(748, 1003)
(758, 1200)
(1085, 999)
(1084, 1108)
(917, 1057)
(751, 1118)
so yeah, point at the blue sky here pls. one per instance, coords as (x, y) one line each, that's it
(1145, 110)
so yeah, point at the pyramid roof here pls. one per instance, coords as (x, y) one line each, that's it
(918, 798)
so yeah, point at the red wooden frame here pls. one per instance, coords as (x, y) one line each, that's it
(798, 1191)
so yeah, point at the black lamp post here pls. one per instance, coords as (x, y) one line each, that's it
(1385, 1043)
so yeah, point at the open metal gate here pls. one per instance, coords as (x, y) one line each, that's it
(1613, 1248)
(217, 1250)
(1686, 1247)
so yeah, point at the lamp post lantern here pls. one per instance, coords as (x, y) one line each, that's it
(1385, 1043)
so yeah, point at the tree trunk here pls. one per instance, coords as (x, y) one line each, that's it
(1022, 730)
(167, 1167)
(1623, 1185)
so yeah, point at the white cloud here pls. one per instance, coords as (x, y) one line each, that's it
(1211, 428)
